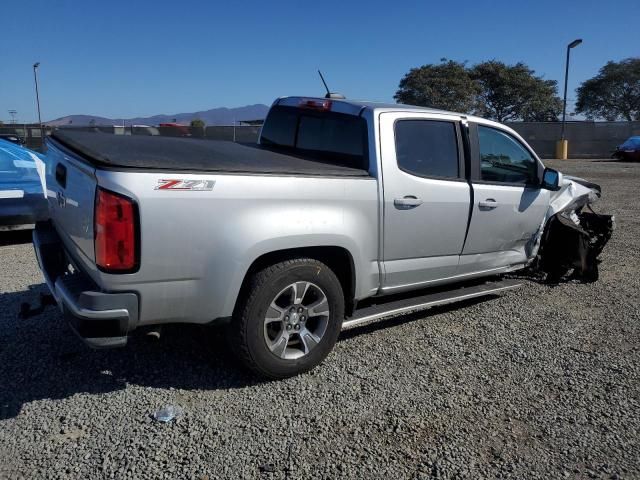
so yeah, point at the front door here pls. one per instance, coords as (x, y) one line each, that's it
(426, 198)
(509, 205)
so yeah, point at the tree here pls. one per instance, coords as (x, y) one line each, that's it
(446, 86)
(514, 92)
(614, 93)
(491, 89)
(197, 123)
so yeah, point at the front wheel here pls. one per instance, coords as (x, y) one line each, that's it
(288, 318)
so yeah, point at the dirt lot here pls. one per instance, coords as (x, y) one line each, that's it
(542, 382)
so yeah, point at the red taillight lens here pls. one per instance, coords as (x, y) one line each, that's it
(115, 230)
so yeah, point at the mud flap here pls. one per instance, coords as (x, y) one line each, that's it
(571, 245)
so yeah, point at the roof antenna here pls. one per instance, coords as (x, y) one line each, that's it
(329, 94)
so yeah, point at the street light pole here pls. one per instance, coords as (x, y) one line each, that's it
(573, 44)
(35, 77)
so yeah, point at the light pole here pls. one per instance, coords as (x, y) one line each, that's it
(35, 77)
(562, 146)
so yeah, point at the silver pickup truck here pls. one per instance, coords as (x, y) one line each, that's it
(344, 212)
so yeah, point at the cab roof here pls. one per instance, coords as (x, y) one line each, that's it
(355, 107)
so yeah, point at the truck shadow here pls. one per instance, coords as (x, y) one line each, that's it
(14, 237)
(411, 317)
(42, 359)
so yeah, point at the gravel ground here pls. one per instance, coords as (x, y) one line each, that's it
(541, 382)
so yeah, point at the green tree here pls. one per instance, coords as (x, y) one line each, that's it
(613, 94)
(446, 86)
(514, 92)
(197, 123)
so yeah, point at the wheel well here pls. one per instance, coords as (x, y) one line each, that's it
(338, 259)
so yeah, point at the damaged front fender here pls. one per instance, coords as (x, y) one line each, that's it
(573, 235)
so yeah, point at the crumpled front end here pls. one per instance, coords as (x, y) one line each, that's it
(574, 235)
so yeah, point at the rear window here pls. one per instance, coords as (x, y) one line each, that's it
(329, 136)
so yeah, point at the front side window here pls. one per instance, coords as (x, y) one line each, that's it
(427, 148)
(503, 159)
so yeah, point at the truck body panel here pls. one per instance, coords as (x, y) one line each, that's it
(243, 216)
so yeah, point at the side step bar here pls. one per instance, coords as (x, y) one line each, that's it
(377, 312)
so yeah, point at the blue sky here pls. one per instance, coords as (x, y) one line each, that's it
(138, 58)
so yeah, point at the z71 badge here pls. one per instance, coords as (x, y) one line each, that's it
(180, 184)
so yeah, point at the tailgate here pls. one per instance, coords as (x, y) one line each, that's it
(71, 186)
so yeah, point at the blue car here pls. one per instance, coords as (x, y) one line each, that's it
(629, 150)
(22, 200)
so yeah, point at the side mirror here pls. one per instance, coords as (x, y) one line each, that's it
(551, 179)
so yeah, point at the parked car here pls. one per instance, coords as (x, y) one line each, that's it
(174, 130)
(22, 202)
(12, 137)
(340, 206)
(629, 150)
(144, 130)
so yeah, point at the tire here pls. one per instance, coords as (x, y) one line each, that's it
(264, 321)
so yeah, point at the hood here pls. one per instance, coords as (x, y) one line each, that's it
(631, 143)
(574, 193)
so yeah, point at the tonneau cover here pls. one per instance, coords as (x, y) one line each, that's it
(190, 154)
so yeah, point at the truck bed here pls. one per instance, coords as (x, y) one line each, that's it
(190, 154)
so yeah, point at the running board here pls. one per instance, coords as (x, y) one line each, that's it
(377, 312)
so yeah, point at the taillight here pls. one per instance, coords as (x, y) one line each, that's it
(116, 232)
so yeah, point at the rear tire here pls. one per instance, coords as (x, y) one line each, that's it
(287, 318)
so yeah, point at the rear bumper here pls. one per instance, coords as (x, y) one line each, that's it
(101, 319)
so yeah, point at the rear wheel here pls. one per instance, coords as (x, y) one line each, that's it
(288, 318)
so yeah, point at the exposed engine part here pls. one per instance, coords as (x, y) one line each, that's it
(571, 243)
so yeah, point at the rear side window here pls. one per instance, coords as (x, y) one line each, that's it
(330, 136)
(427, 148)
(503, 159)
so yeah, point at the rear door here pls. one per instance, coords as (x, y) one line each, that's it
(426, 198)
(509, 205)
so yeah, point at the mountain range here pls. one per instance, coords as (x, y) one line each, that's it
(215, 116)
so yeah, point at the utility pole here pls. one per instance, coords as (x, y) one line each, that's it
(562, 147)
(35, 77)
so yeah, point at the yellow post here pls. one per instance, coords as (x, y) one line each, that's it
(562, 149)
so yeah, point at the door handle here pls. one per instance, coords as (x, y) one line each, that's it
(409, 201)
(489, 204)
(61, 175)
